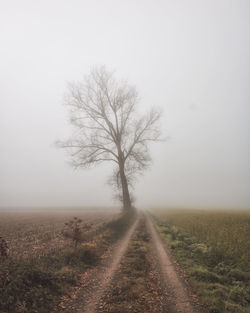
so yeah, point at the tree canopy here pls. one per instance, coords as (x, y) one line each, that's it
(104, 112)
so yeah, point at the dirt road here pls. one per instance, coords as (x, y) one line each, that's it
(96, 283)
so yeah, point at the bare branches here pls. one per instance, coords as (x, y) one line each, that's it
(103, 111)
(87, 153)
(144, 130)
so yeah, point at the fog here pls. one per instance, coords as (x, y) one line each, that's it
(189, 57)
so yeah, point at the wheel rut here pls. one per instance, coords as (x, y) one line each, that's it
(178, 294)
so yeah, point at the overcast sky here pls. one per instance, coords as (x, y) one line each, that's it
(189, 57)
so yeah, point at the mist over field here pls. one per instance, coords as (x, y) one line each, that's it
(190, 58)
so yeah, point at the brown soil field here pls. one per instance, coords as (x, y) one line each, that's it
(38, 232)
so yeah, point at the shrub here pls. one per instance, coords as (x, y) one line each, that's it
(75, 230)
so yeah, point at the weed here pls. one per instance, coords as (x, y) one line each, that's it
(75, 230)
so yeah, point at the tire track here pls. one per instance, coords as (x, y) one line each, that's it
(179, 299)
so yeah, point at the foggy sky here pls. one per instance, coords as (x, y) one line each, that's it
(189, 57)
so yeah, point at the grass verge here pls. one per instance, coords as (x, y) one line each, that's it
(222, 283)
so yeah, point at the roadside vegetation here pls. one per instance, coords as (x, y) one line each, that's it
(34, 284)
(214, 249)
(135, 287)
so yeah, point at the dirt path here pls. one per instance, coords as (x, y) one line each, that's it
(136, 287)
(179, 296)
(95, 282)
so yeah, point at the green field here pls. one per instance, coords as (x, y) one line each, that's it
(214, 249)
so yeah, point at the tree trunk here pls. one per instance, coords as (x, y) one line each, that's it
(125, 192)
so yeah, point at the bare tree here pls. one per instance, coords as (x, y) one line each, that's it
(109, 128)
